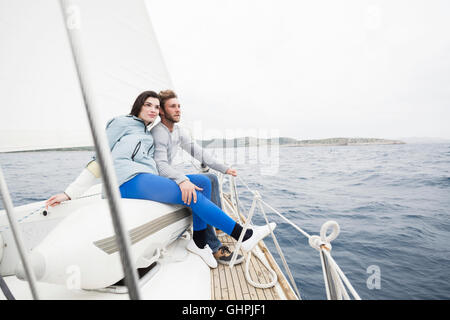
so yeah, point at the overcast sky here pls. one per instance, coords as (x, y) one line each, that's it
(309, 69)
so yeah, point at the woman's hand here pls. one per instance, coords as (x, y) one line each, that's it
(56, 200)
(188, 191)
(232, 172)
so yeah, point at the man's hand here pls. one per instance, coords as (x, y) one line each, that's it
(233, 172)
(188, 191)
(56, 200)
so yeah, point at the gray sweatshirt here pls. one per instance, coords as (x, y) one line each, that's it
(166, 147)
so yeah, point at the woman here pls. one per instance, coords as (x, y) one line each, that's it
(131, 145)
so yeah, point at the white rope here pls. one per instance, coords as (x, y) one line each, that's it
(247, 273)
(321, 243)
(343, 277)
(249, 256)
(257, 200)
(235, 196)
(280, 252)
(231, 210)
(325, 277)
(241, 237)
(276, 211)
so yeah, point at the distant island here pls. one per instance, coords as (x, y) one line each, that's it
(255, 142)
(291, 142)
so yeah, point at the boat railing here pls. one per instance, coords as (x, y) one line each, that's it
(337, 284)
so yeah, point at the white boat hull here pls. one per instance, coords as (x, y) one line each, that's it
(76, 244)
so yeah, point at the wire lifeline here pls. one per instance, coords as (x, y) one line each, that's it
(258, 200)
(334, 277)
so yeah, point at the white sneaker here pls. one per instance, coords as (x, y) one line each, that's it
(206, 253)
(259, 233)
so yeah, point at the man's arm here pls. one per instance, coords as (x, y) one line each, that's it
(161, 140)
(188, 189)
(200, 154)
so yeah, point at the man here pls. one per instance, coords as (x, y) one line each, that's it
(168, 137)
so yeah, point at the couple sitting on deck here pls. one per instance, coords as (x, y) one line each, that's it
(142, 160)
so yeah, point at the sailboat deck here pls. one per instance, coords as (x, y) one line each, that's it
(230, 284)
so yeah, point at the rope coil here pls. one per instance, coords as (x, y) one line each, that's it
(324, 240)
(271, 271)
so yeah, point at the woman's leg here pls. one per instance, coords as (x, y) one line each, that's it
(202, 182)
(152, 187)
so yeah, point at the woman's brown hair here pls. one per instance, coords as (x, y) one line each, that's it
(140, 100)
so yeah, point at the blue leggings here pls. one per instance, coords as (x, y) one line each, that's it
(156, 188)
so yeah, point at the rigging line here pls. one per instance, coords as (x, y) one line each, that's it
(240, 206)
(276, 211)
(42, 207)
(257, 198)
(343, 276)
(333, 263)
(236, 197)
(325, 275)
(25, 217)
(280, 252)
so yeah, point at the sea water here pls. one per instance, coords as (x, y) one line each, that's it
(392, 203)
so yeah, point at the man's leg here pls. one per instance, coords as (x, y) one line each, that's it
(211, 237)
(212, 240)
(221, 253)
(215, 193)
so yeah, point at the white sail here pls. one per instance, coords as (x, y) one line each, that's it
(40, 99)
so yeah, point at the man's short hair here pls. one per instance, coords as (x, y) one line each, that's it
(166, 95)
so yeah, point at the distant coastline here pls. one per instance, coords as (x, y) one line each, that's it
(255, 142)
(291, 142)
